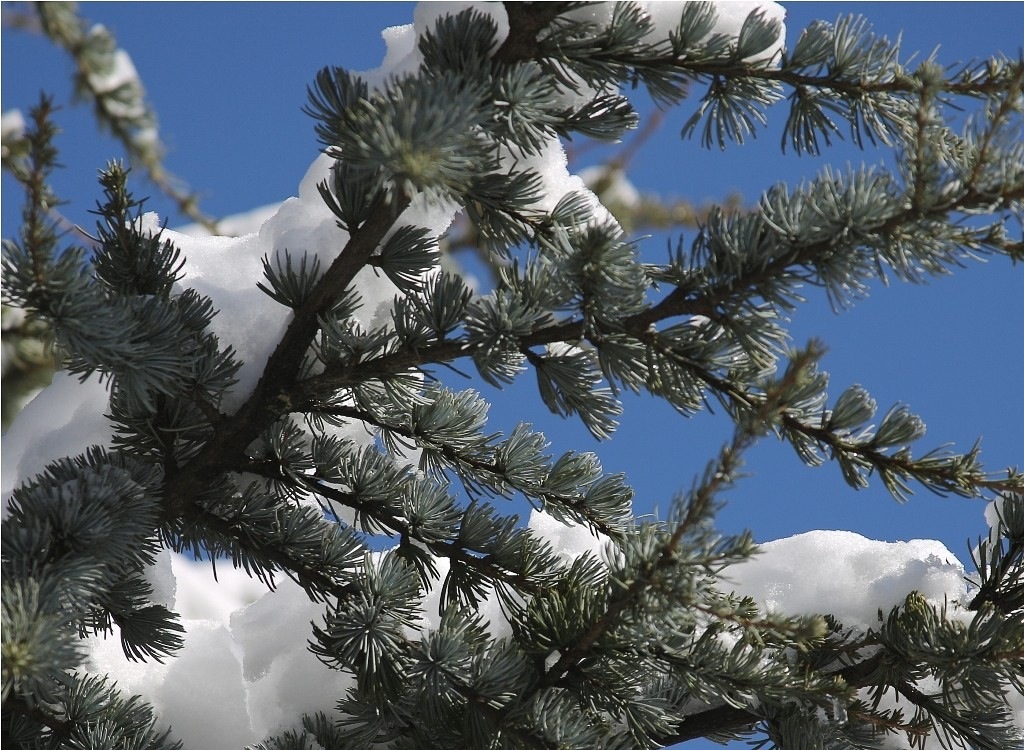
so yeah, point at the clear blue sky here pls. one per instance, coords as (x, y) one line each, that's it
(228, 81)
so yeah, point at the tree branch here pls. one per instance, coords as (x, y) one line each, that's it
(61, 729)
(271, 396)
(525, 22)
(474, 463)
(725, 719)
(310, 578)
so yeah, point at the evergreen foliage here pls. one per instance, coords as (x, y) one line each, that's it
(644, 647)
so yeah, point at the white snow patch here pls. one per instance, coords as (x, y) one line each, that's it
(12, 128)
(731, 15)
(847, 575)
(203, 697)
(567, 541)
(121, 74)
(235, 225)
(64, 419)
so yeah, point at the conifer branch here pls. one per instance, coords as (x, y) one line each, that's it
(257, 546)
(889, 78)
(470, 464)
(483, 564)
(727, 719)
(631, 646)
(37, 233)
(60, 730)
(698, 507)
(960, 475)
(800, 263)
(119, 107)
(271, 397)
(716, 299)
(526, 21)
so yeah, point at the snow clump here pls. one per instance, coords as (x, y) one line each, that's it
(847, 575)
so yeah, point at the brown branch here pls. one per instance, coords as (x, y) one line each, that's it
(1005, 109)
(525, 22)
(990, 591)
(71, 35)
(849, 88)
(701, 499)
(937, 478)
(730, 290)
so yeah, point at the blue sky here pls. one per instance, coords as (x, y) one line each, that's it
(228, 81)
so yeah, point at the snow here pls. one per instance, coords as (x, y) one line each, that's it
(567, 541)
(198, 594)
(848, 575)
(12, 128)
(852, 577)
(243, 672)
(283, 679)
(247, 222)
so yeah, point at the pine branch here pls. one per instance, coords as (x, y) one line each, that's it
(991, 590)
(999, 560)
(526, 21)
(605, 651)
(122, 109)
(94, 715)
(993, 83)
(1007, 107)
(452, 550)
(468, 464)
(940, 475)
(272, 396)
(37, 234)
(800, 263)
(717, 299)
(888, 78)
(729, 719)
(961, 477)
(184, 487)
(700, 503)
(942, 717)
(61, 730)
(314, 581)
